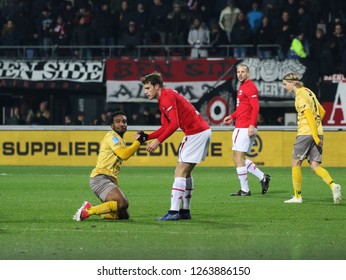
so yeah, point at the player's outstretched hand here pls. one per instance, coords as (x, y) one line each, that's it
(228, 120)
(141, 136)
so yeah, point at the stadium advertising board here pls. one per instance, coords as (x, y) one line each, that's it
(80, 148)
(333, 99)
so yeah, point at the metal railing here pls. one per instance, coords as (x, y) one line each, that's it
(31, 52)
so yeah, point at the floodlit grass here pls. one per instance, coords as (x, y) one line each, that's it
(37, 205)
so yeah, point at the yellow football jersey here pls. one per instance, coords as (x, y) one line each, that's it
(306, 99)
(108, 162)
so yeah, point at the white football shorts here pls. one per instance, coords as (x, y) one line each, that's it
(194, 148)
(241, 141)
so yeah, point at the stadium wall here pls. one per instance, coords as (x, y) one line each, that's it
(78, 146)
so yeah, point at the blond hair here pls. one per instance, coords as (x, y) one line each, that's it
(243, 65)
(294, 78)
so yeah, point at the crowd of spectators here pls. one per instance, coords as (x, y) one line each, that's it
(302, 28)
(309, 30)
(20, 114)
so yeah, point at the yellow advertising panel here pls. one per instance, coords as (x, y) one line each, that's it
(80, 148)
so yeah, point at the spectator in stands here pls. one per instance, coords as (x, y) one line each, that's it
(68, 14)
(297, 50)
(272, 9)
(80, 118)
(60, 36)
(261, 120)
(227, 19)
(318, 49)
(217, 38)
(255, 16)
(264, 36)
(130, 38)
(340, 44)
(305, 24)
(157, 24)
(44, 31)
(336, 19)
(134, 120)
(203, 10)
(280, 120)
(27, 33)
(291, 6)
(177, 21)
(9, 37)
(45, 118)
(82, 36)
(198, 38)
(104, 26)
(284, 34)
(67, 120)
(104, 118)
(241, 35)
(329, 59)
(140, 16)
(122, 17)
(16, 118)
(42, 115)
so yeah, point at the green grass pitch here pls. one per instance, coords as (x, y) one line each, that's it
(37, 205)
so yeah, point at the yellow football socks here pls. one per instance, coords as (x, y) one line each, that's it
(297, 181)
(324, 174)
(109, 216)
(104, 208)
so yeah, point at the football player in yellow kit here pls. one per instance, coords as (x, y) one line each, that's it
(104, 177)
(309, 140)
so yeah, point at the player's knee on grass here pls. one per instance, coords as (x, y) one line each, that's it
(123, 214)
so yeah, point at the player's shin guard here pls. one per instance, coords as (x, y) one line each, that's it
(109, 216)
(297, 181)
(324, 175)
(242, 176)
(178, 190)
(188, 193)
(104, 208)
(252, 168)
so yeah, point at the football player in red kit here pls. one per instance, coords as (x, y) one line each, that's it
(178, 112)
(245, 131)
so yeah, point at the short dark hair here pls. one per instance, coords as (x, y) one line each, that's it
(154, 78)
(115, 114)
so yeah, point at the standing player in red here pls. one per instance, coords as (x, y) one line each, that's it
(245, 131)
(177, 112)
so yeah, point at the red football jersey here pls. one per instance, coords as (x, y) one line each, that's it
(247, 108)
(177, 112)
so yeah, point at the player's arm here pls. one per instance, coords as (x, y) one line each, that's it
(126, 153)
(158, 132)
(253, 99)
(172, 126)
(230, 118)
(312, 124)
(321, 111)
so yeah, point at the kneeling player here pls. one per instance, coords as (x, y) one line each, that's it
(104, 177)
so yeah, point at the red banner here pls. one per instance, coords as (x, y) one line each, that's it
(191, 78)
